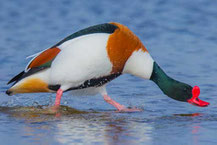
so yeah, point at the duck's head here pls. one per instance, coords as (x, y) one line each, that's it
(186, 93)
(194, 100)
(175, 89)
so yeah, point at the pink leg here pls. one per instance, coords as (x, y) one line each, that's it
(55, 108)
(118, 106)
(58, 98)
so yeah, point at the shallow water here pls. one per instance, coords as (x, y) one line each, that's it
(181, 37)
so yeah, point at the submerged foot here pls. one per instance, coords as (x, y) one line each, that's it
(125, 109)
(53, 109)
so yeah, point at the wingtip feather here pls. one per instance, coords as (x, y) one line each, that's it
(16, 78)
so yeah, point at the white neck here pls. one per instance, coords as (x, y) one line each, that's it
(140, 64)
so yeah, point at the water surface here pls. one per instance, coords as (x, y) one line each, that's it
(181, 37)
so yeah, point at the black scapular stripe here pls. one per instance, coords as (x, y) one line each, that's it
(101, 28)
(96, 82)
(17, 77)
(23, 74)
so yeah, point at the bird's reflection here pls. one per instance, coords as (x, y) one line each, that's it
(75, 126)
(102, 128)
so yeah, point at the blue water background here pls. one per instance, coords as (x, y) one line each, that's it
(180, 35)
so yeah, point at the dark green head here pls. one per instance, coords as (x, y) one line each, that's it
(172, 88)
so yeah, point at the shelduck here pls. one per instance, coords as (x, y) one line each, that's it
(87, 60)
